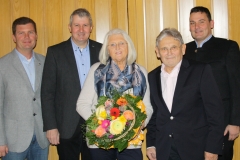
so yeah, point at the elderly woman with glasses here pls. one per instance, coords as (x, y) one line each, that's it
(117, 69)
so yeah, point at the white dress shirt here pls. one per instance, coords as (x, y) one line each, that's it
(168, 84)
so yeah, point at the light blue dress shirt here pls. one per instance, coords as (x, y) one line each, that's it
(205, 40)
(82, 57)
(29, 67)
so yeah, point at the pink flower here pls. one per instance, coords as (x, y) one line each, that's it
(105, 123)
(111, 136)
(108, 103)
(100, 131)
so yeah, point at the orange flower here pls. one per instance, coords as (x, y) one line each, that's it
(122, 102)
(100, 131)
(99, 122)
(128, 115)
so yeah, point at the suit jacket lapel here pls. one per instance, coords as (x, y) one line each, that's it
(159, 88)
(20, 69)
(68, 50)
(38, 72)
(92, 49)
(182, 76)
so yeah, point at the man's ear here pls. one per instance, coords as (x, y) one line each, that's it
(212, 24)
(69, 28)
(91, 29)
(183, 49)
(157, 53)
(14, 38)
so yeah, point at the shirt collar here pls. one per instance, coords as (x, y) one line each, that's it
(76, 47)
(23, 58)
(174, 71)
(204, 41)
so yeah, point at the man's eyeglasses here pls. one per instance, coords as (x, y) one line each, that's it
(172, 49)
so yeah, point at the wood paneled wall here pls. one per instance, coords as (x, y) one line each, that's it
(142, 19)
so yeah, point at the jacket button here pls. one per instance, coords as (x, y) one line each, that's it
(170, 135)
(171, 117)
(34, 99)
(34, 114)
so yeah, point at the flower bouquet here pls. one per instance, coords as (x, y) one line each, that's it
(116, 122)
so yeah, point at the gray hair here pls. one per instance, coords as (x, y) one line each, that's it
(169, 32)
(81, 12)
(104, 55)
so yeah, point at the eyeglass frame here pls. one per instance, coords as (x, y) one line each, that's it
(172, 49)
(119, 44)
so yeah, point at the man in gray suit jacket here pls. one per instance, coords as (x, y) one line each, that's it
(21, 125)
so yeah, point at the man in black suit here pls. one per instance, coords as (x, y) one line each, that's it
(224, 57)
(66, 67)
(186, 123)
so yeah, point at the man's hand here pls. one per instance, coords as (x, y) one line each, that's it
(210, 156)
(53, 136)
(233, 132)
(151, 153)
(3, 150)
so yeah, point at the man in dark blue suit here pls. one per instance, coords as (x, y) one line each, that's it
(186, 122)
(224, 57)
(65, 69)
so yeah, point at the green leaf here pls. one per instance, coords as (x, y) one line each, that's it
(120, 145)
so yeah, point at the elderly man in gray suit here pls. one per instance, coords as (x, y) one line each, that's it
(21, 125)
